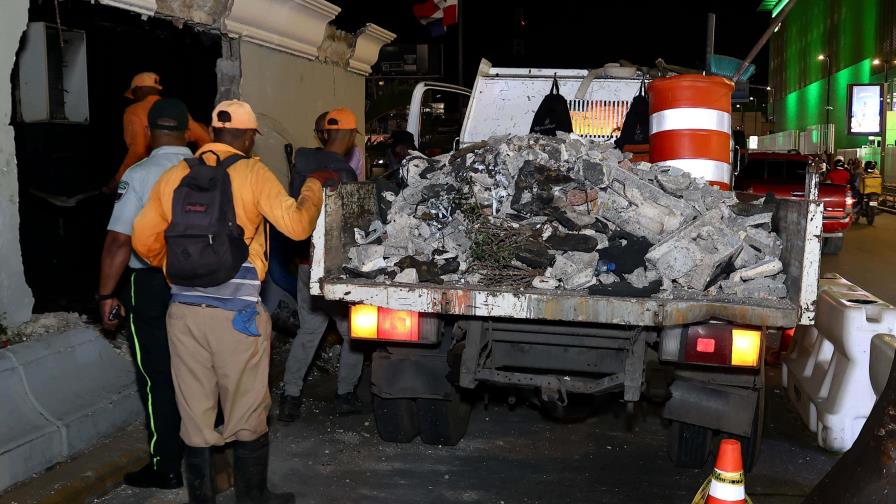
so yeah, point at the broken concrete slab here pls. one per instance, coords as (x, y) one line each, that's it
(642, 277)
(697, 253)
(641, 208)
(408, 276)
(543, 282)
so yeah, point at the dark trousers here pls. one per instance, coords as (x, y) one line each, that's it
(147, 300)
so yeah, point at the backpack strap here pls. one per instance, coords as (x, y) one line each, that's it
(555, 86)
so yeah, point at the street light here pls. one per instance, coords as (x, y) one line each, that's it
(886, 63)
(827, 107)
(769, 110)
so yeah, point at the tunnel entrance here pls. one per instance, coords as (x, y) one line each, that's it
(69, 140)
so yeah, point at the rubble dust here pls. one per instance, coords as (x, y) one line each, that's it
(540, 212)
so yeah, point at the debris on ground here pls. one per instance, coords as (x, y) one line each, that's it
(42, 324)
(563, 212)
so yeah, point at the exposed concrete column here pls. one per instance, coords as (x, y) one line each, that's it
(15, 296)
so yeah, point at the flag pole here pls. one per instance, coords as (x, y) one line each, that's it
(460, 45)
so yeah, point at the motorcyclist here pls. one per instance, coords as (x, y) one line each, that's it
(838, 173)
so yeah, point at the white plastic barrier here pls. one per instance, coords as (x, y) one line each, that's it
(883, 351)
(827, 371)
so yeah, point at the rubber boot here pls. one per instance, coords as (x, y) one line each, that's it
(199, 475)
(250, 472)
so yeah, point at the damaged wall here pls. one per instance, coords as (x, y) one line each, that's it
(15, 296)
(288, 93)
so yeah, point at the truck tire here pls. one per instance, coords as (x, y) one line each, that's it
(396, 419)
(689, 445)
(443, 422)
(832, 245)
(870, 215)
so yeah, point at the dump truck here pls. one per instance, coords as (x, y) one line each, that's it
(435, 344)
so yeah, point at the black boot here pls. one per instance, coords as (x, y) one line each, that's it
(199, 475)
(290, 408)
(151, 477)
(250, 474)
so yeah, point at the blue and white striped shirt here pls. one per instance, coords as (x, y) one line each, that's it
(239, 293)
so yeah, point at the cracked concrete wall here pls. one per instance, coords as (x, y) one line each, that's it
(288, 92)
(15, 296)
(208, 12)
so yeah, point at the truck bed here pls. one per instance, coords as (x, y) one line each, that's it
(353, 205)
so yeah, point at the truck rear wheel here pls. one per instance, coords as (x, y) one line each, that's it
(443, 422)
(396, 419)
(688, 445)
(832, 245)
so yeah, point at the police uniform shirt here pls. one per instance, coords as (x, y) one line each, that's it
(134, 188)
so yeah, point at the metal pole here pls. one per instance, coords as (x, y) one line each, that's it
(827, 110)
(710, 38)
(765, 36)
(460, 44)
(756, 117)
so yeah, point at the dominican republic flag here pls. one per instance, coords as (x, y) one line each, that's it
(436, 15)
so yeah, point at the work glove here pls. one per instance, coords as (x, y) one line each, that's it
(327, 178)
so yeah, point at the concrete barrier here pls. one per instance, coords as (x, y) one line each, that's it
(60, 394)
(827, 371)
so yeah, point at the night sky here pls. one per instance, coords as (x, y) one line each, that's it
(576, 34)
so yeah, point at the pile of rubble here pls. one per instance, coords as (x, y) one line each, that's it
(567, 213)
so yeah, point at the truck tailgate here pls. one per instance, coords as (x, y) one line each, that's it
(354, 206)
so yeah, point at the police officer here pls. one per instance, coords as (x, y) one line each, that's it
(146, 297)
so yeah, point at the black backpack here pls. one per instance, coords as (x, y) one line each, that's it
(552, 114)
(636, 125)
(206, 246)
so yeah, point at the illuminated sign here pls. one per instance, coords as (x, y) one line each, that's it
(865, 109)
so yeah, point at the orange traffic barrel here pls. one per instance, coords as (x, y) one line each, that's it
(690, 125)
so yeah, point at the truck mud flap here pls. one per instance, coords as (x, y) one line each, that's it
(728, 409)
(411, 373)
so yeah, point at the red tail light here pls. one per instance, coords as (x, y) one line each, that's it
(849, 201)
(714, 344)
(377, 323)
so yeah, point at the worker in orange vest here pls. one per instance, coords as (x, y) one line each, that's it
(144, 91)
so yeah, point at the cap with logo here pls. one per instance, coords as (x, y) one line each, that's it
(143, 79)
(234, 114)
(168, 114)
(340, 119)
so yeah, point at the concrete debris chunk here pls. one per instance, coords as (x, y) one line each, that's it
(697, 252)
(641, 208)
(543, 282)
(607, 278)
(641, 277)
(408, 276)
(766, 268)
(532, 211)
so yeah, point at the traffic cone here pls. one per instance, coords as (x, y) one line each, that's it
(727, 485)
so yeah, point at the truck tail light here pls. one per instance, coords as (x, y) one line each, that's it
(714, 344)
(376, 323)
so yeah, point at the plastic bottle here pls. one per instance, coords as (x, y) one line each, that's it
(604, 266)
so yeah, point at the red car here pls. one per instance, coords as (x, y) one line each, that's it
(784, 175)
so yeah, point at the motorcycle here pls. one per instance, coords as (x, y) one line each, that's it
(866, 206)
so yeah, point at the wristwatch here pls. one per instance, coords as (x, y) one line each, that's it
(103, 297)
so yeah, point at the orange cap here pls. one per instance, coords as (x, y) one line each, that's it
(340, 119)
(234, 114)
(143, 79)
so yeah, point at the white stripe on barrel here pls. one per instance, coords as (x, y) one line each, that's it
(690, 118)
(706, 169)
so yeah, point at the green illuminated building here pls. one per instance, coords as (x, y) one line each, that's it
(852, 33)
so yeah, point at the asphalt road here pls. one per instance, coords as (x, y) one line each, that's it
(518, 456)
(868, 257)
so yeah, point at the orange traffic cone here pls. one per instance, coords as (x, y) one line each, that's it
(726, 485)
